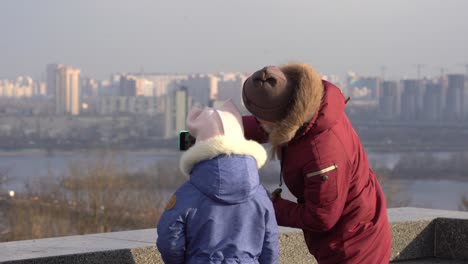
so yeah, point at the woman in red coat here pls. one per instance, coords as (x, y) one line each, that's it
(340, 205)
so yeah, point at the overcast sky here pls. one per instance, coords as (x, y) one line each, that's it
(106, 36)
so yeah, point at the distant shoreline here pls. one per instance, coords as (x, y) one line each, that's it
(159, 151)
(175, 151)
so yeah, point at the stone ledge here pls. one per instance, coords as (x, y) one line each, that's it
(418, 235)
(431, 261)
(425, 233)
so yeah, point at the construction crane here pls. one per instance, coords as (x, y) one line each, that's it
(418, 69)
(442, 71)
(383, 68)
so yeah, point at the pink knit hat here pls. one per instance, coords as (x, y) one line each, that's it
(209, 122)
(218, 131)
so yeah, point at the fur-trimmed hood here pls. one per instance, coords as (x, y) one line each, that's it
(219, 145)
(224, 170)
(306, 101)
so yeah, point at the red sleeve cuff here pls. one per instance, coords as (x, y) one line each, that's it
(287, 213)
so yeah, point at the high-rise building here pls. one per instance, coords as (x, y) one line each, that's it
(146, 87)
(389, 100)
(113, 89)
(203, 88)
(67, 95)
(465, 99)
(432, 103)
(230, 87)
(411, 98)
(178, 104)
(455, 97)
(7, 88)
(89, 87)
(362, 88)
(163, 83)
(41, 88)
(128, 86)
(111, 105)
(51, 73)
(131, 85)
(22, 87)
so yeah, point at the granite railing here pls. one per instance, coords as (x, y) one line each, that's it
(419, 236)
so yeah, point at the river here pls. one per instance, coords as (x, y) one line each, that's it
(429, 193)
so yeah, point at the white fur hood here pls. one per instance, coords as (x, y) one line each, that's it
(219, 145)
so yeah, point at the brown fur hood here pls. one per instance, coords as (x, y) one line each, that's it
(306, 101)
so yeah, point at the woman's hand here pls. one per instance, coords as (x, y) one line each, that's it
(276, 194)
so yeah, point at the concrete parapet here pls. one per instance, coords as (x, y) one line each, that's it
(419, 236)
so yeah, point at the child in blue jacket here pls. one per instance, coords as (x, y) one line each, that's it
(221, 214)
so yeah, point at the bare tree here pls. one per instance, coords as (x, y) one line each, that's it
(464, 203)
(97, 195)
(3, 178)
(395, 194)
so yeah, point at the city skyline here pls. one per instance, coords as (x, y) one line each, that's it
(419, 73)
(425, 99)
(208, 36)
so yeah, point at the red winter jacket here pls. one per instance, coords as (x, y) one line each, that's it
(340, 205)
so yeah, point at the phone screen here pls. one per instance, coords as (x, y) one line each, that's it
(185, 140)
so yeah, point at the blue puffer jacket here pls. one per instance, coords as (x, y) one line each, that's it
(221, 215)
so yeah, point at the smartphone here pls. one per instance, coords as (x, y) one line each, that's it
(185, 140)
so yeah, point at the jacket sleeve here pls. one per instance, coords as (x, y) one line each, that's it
(270, 250)
(325, 195)
(253, 130)
(171, 237)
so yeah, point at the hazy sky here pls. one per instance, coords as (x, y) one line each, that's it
(105, 36)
